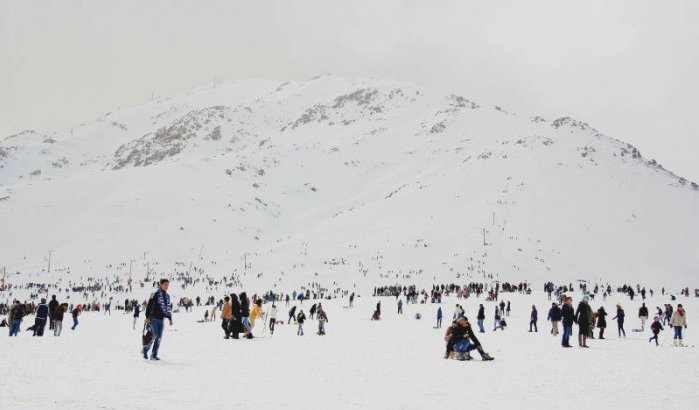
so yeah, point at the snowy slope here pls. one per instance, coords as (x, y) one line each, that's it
(345, 178)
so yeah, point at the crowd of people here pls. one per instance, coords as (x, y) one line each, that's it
(240, 313)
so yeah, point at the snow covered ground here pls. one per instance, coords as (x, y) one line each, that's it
(394, 363)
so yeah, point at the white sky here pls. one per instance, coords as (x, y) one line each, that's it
(630, 68)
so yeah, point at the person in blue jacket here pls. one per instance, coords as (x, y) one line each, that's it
(158, 308)
(439, 317)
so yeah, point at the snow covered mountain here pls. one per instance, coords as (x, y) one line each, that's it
(347, 180)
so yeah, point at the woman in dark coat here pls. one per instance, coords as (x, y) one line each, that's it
(236, 323)
(582, 316)
(601, 321)
(620, 320)
(245, 314)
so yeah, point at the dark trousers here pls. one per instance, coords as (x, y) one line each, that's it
(272, 322)
(226, 327)
(533, 323)
(39, 325)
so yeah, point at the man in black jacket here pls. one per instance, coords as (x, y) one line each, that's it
(42, 315)
(643, 315)
(555, 317)
(462, 335)
(568, 315)
(158, 309)
(53, 304)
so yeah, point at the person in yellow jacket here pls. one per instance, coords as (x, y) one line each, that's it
(226, 315)
(256, 312)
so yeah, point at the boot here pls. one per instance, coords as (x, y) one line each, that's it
(486, 357)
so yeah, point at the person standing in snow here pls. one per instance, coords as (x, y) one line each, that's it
(235, 324)
(678, 321)
(655, 327)
(439, 317)
(42, 315)
(620, 320)
(507, 309)
(400, 306)
(554, 316)
(136, 314)
(226, 314)
(300, 318)
(322, 319)
(568, 317)
(245, 314)
(583, 316)
(256, 312)
(496, 320)
(58, 318)
(312, 311)
(292, 314)
(480, 318)
(272, 318)
(601, 321)
(158, 308)
(16, 315)
(53, 304)
(533, 318)
(643, 315)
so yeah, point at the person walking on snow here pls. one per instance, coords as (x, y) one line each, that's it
(272, 318)
(480, 317)
(655, 327)
(75, 313)
(643, 315)
(620, 320)
(554, 316)
(678, 321)
(601, 321)
(439, 317)
(42, 315)
(533, 319)
(158, 309)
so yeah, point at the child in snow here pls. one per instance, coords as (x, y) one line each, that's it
(656, 327)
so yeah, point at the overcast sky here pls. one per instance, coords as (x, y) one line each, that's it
(630, 68)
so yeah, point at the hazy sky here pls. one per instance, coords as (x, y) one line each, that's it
(630, 68)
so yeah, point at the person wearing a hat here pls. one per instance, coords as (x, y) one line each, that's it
(678, 321)
(583, 314)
